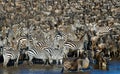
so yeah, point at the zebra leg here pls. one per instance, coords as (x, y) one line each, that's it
(45, 61)
(61, 61)
(16, 62)
(6, 60)
(78, 51)
(50, 61)
(30, 60)
(57, 62)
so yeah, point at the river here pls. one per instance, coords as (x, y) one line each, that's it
(113, 68)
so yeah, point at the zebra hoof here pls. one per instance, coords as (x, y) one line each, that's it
(4, 66)
(16, 65)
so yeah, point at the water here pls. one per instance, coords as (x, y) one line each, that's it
(114, 68)
(26, 71)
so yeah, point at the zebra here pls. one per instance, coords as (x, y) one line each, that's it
(56, 54)
(75, 45)
(44, 52)
(37, 52)
(13, 50)
(10, 53)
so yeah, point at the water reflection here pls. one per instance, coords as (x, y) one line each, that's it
(38, 72)
(114, 68)
(29, 71)
(4, 72)
(104, 72)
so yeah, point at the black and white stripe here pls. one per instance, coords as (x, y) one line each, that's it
(56, 54)
(37, 52)
(45, 49)
(45, 53)
(10, 54)
(75, 45)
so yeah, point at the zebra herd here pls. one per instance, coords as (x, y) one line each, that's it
(58, 44)
(27, 47)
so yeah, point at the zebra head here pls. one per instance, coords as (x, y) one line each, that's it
(22, 44)
(58, 35)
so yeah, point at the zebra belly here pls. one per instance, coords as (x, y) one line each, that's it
(38, 55)
(41, 56)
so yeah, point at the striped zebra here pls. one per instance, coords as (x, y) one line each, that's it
(37, 53)
(10, 54)
(42, 42)
(74, 45)
(12, 50)
(43, 51)
(56, 54)
(51, 40)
